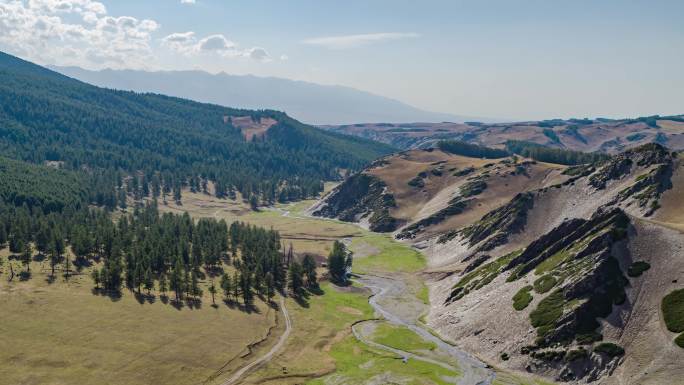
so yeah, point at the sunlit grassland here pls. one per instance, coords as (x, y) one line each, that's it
(400, 338)
(391, 256)
(63, 333)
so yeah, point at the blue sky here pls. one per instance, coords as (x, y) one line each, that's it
(505, 59)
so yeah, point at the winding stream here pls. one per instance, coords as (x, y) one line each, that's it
(385, 291)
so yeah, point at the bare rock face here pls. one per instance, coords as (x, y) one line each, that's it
(361, 196)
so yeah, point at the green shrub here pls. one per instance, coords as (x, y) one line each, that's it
(549, 355)
(609, 349)
(589, 338)
(546, 314)
(417, 182)
(673, 311)
(504, 356)
(637, 268)
(545, 283)
(577, 354)
(522, 298)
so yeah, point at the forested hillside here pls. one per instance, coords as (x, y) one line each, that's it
(45, 116)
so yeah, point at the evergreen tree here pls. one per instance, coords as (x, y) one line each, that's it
(309, 266)
(3, 234)
(236, 285)
(95, 275)
(177, 279)
(295, 279)
(337, 263)
(270, 287)
(194, 287)
(212, 291)
(226, 285)
(26, 257)
(148, 281)
(163, 285)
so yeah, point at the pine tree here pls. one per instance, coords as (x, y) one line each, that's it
(67, 267)
(194, 287)
(337, 263)
(295, 281)
(177, 279)
(309, 266)
(95, 275)
(138, 276)
(270, 286)
(212, 290)
(148, 281)
(226, 285)
(3, 234)
(236, 285)
(163, 285)
(26, 257)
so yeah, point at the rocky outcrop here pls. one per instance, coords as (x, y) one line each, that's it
(621, 164)
(497, 225)
(361, 196)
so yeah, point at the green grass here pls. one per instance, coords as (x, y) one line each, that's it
(548, 311)
(391, 256)
(551, 262)
(673, 311)
(356, 363)
(522, 298)
(424, 294)
(334, 306)
(545, 283)
(401, 338)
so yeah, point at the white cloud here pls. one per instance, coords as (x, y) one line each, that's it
(188, 1)
(187, 43)
(284, 57)
(353, 41)
(75, 32)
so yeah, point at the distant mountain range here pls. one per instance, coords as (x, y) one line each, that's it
(309, 102)
(604, 135)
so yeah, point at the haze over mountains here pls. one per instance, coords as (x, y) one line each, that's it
(309, 102)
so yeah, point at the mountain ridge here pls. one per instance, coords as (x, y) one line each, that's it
(309, 102)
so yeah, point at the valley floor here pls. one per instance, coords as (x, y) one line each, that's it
(63, 332)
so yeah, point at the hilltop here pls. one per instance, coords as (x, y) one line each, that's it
(603, 135)
(538, 267)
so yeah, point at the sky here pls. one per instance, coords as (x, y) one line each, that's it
(506, 59)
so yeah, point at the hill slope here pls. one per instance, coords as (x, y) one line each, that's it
(561, 270)
(308, 102)
(45, 116)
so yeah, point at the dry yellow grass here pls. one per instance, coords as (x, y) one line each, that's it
(62, 333)
(415, 203)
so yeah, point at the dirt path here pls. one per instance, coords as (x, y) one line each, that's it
(269, 355)
(385, 292)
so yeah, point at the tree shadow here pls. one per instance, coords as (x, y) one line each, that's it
(193, 303)
(248, 308)
(24, 275)
(177, 303)
(144, 297)
(80, 263)
(114, 295)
